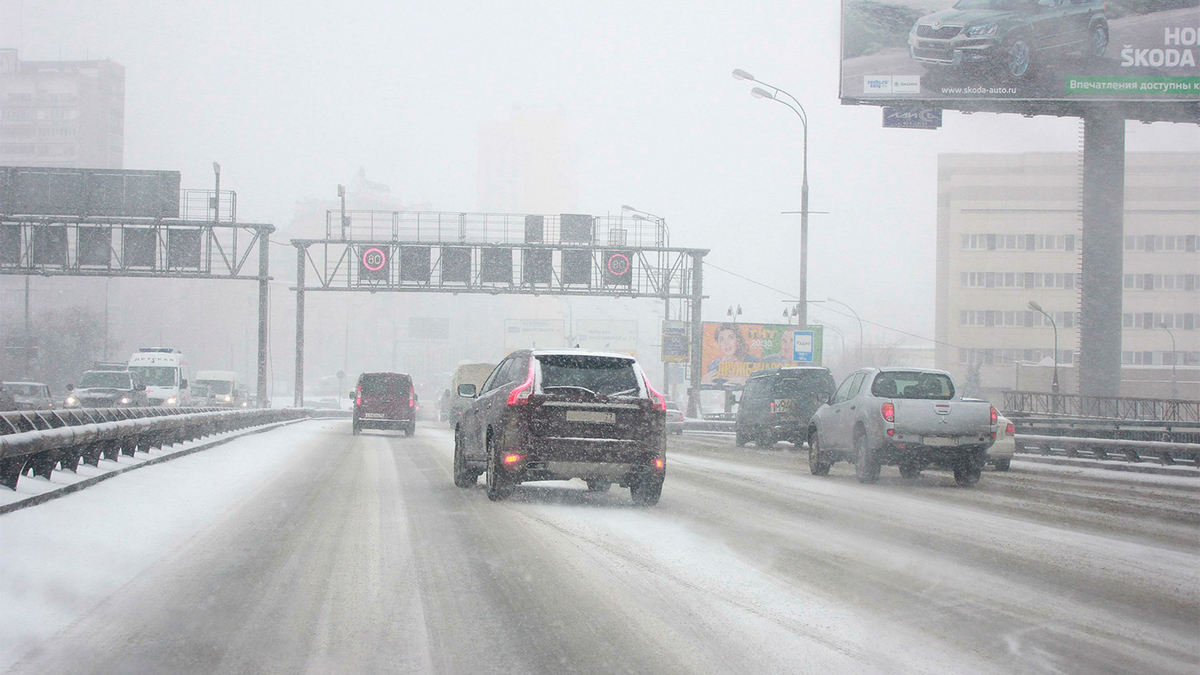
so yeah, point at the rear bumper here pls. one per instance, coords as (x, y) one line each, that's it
(618, 461)
(894, 453)
(381, 423)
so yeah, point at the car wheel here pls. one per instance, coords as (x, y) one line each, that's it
(499, 485)
(966, 471)
(816, 465)
(1098, 44)
(866, 462)
(410, 429)
(739, 439)
(356, 429)
(598, 485)
(646, 492)
(1003, 464)
(1017, 59)
(463, 476)
(910, 470)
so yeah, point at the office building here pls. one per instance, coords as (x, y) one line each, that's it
(1009, 232)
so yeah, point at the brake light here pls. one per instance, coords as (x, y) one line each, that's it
(657, 401)
(889, 412)
(521, 394)
(771, 405)
(1010, 429)
(659, 463)
(411, 403)
(358, 396)
(995, 415)
(512, 459)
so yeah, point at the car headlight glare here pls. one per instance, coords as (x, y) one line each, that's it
(172, 401)
(124, 400)
(986, 30)
(71, 400)
(228, 399)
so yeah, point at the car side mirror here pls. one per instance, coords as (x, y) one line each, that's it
(466, 390)
(352, 393)
(141, 387)
(70, 387)
(183, 384)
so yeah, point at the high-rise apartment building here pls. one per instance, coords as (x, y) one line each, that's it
(1009, 233)
(61, 113)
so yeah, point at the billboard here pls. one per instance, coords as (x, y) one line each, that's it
(533, 333)
(89, 192)
(730, 352)
(1045, 50)
(602, 334)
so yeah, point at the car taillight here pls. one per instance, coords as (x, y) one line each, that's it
(411, 403)
(657, 400)
(995, 415)
(520, 395)
(1010, 429)
(358, 396)
(771, 406)
(512, 459)
(889, 412)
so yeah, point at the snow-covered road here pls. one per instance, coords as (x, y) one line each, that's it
(308, 550)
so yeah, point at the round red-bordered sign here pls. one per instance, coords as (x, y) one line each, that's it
(379, 259)
(618, 264)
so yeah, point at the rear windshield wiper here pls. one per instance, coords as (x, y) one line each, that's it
(625, 392)
(569, 386)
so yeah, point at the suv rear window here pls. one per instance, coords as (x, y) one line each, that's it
(599, 374)
(913, 384)
(390, 386)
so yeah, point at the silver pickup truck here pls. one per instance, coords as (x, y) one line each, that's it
(910, 418)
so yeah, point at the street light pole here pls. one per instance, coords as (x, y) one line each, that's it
(1038, 308)
(664, 241)
(757, 92)
(860, 328)
(217, 193)
(1174, 360)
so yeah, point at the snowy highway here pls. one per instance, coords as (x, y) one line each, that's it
(309, 550)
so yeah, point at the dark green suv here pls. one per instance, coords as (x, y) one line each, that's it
(777, 403)
(1013, 36)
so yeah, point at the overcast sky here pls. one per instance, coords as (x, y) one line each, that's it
(291, 97)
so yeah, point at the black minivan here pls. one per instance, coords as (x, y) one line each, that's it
(384, 401)
(777, 403)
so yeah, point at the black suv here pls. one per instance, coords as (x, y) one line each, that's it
(563, 414)
(1013, 35)
(777, 403)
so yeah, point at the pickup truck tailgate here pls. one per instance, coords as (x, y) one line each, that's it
(956, 418)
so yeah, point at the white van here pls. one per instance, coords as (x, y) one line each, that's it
(223, 389)
(165, 374)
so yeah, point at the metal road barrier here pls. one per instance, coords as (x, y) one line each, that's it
(1165, 452)
(39, 441)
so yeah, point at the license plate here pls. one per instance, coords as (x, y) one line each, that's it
(940, 440)
(374, 416)
(591, 416)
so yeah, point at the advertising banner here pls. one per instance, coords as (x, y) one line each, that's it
(613, 336)
(1068, 50)
(533, 333)
(730, 352)
(675, 340)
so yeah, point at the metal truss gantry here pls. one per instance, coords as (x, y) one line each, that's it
(499, 254)
(144, 248)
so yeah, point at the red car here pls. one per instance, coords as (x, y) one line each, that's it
(385, 401)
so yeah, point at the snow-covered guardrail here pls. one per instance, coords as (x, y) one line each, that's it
(40, 441)
(1166, 452)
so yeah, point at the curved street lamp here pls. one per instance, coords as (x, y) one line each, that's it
(1174, 360)
(860, 327)
(759, 92)
(1038, 308)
